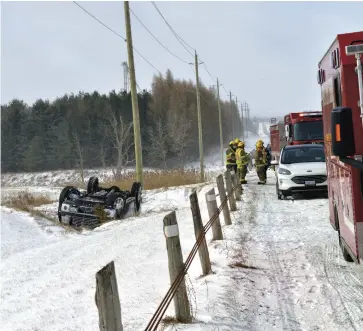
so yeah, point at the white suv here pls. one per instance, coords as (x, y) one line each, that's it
(301, 169)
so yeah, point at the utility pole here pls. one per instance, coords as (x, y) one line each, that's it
(243, 130)
(238, 121)
(220, 123)
(232, 112)
(247, 117)
(135, 107)
(200, 129)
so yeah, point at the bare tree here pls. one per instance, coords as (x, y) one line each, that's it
(103, 150)
(158, 143)
(120, 135)
(79, 154)
(178, 132)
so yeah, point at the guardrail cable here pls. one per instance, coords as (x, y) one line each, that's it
(160, 311)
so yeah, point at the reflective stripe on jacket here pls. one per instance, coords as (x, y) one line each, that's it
(241, 157)
(260, 158)
(230, 156)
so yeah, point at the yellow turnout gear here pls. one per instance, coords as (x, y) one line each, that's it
(242, 159)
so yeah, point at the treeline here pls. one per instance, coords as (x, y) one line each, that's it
(91, 130)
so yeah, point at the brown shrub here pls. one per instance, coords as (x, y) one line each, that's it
(26, 202)
(160, 179)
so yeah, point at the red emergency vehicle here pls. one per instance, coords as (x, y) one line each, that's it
(304, 128)
(342, 87)
(297, 128)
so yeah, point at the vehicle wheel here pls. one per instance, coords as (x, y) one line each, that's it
(278, 192)
(63, 195)
(93, 185)
(346, 255)
(136, 192)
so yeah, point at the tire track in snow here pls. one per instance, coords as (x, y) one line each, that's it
(290, 321)
(349, 289)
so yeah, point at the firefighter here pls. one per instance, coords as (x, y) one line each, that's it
(231, 157)
(260, 162)
(242, 161)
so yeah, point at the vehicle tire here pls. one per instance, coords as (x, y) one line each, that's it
(136, 191)
(92, 185)
(278, 192)
(346, 255)
(63, 195)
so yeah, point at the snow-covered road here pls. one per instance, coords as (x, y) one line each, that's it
(291, 273)
(280, 268)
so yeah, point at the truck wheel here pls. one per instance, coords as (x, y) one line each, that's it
(92, 185)
(136, 192)
(345, 252)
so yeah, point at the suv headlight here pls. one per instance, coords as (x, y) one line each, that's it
(283, 171)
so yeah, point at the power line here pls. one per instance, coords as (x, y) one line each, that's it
(180, 39)
(143, 57)
(158, 39)
(210, 75)
(117, 34)
(99, 21)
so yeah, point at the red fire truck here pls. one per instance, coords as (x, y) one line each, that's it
(297, 128)
(341, 79)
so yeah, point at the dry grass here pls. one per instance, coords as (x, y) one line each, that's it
(160, 179)
(25, 201)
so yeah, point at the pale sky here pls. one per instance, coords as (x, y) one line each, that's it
(266, 53)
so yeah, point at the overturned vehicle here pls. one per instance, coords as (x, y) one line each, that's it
(92, 207)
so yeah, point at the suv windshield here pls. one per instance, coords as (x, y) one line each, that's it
(303, 154)
(308, 130)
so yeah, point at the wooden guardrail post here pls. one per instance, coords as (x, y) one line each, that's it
(210, 197)
(107, 299)
(229, 185)
(176, 264)
(223, 196)
(198, 229)
(238, 190)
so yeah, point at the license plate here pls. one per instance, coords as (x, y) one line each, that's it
(310, 183)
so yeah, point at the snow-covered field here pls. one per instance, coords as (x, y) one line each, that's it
(279, 268)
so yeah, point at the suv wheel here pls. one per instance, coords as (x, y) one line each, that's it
(278, 192)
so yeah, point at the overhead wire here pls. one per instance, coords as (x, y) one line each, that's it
(167, 49)
(116, 33)
(180, 39)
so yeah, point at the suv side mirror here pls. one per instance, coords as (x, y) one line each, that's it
(274, 162)
(342, 132)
